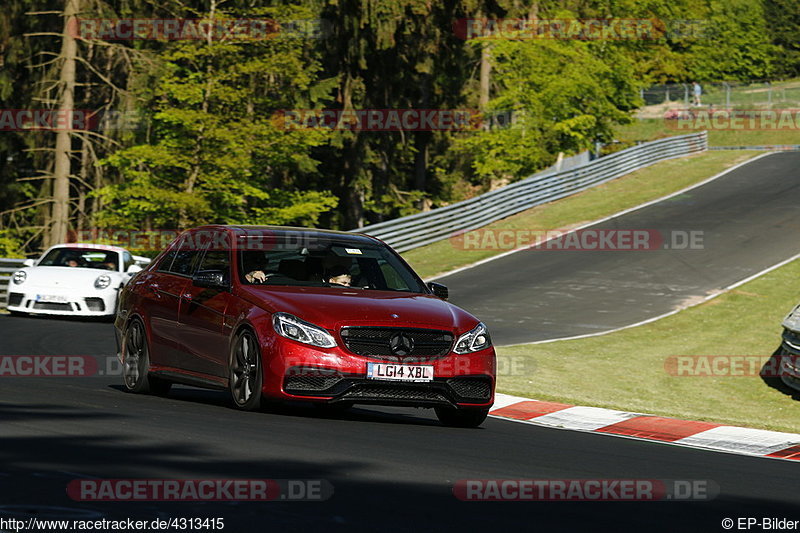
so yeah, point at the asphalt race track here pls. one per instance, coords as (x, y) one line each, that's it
(391, 469)
(749, 219)
(394, 469)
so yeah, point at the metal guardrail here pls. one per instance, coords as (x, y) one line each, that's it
(416, 230)
(7, 267)
(765, 147)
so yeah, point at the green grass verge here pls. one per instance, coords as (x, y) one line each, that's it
(626, 369)
(655, 128)
(598, 202)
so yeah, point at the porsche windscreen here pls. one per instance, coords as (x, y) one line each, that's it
(81, 258)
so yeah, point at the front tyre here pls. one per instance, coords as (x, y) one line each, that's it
(113, 317)
(245, 376)
(461, 418)
(136, 364)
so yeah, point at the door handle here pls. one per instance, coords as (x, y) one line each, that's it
(154, 287)
(187, 296)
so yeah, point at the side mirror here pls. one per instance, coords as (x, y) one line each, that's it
(438, 290)
(133, 269)
(28, 262)
(210, 279)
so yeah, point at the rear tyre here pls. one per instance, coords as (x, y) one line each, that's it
(245, 377)
(136, 364)
(461, 418)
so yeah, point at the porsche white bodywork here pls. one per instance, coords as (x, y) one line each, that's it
(89, 287)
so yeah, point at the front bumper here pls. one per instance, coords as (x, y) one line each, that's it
(789, 363)
(300, 372)
(28, 300)
(455, 391)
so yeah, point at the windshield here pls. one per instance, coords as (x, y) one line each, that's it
(327, 263)
(81, 258)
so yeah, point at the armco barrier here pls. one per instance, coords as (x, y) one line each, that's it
(7, 267)
(424, 228)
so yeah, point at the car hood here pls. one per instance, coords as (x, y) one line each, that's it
(63, 277)
(333, 308)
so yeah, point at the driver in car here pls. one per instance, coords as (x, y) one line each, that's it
(256, 276)
(73, 261)
(110, 263)
(337, 275)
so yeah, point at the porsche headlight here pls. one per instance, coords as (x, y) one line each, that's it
(19, 277)
(472, 341)
(291, 327)
(792, 320)
(102, 282)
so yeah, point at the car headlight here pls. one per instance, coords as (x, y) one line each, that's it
(291, 327)
(102, 282)
(473, 341)
(792, 320)
(19, 277)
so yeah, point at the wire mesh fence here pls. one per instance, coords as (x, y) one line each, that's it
(659, 99)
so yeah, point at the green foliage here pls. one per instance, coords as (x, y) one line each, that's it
(738, 47)
(10, 246)
(563, 96)
(783, 25)
(218, 153)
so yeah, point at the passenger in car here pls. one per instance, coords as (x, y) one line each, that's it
(339, 275)
(110, 263)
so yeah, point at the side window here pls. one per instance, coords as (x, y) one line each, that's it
(217, 260)
(185, 262)
(127, 260)
(182, 259)
(166, 262)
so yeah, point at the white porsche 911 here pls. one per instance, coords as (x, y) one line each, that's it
(73, 279)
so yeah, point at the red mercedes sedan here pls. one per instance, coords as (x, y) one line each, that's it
(283, 313)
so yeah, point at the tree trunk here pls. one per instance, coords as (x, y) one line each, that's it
(485, 80)
(533, 12)
(421, 140)
(66, 105)
(486, 72)
(194, 174)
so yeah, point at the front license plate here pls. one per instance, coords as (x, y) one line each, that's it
(48, 298)
(399, 372)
